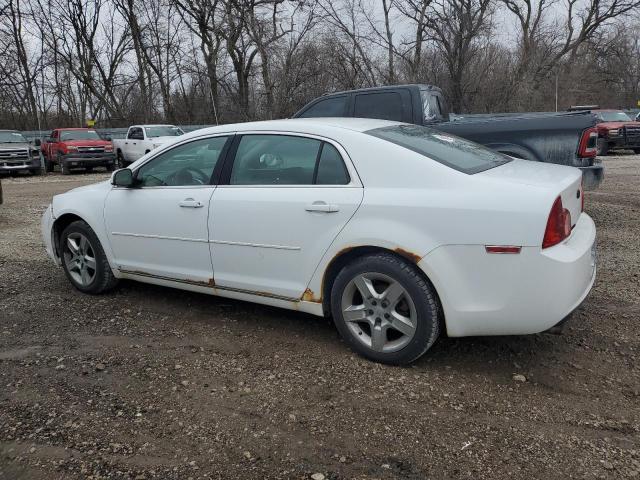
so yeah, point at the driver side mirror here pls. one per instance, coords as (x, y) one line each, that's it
(122, 178)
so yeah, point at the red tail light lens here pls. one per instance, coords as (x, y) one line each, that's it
(558, 225)
(588, 146)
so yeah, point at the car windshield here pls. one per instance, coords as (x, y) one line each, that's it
(79, 135)
(452, 151)
(163, 131)
(614, 117)
(12, 137)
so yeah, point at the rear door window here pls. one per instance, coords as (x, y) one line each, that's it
(287, 160)
(382, 105)
(328, 107)
(331, 168)
(449, 150)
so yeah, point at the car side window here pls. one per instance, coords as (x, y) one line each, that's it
(187, 164)
(275, 160)
(382, 105)
(136, 134)
(331, 169)
(329, 107)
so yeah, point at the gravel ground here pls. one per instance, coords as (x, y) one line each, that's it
(149, 382)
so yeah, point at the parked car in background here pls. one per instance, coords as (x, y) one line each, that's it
(17, 154)
(141, 139)
(399, 232)
(617, 131)
(565, 138)
(72, 148)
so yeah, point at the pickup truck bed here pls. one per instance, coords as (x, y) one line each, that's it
(566, 138)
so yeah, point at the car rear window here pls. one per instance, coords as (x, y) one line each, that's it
(447, 149)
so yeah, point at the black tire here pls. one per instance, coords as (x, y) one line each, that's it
(417, 286)
(89, 169)
(636, 150)
(48, 165)
(602, 147)
(110, 168)
(120, 161)
(35, 171)
(64, 167)
(103, 280)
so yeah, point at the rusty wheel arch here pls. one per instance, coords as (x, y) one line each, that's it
(344, 257)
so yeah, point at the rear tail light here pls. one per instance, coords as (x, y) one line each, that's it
(558, 225)
(588, 146)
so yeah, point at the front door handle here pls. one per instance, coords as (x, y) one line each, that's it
(322, 207)
(190, 203)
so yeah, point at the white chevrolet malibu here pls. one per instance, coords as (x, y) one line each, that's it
(399, 232)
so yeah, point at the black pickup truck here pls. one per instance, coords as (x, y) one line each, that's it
(567, 138)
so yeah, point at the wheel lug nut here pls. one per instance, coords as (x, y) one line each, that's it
(370, 312)
(387, 316)
(373, 302)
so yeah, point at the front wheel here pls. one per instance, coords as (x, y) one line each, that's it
(602, 147)
(84, 261)
(385, 309)
(64, 166)
(120, 162)
(636, 150)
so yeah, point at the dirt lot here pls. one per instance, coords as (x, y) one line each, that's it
(148, 382)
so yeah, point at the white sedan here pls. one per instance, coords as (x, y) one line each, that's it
(399, 232)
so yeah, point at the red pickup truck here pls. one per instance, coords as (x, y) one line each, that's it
(616, 131)
(77, 148)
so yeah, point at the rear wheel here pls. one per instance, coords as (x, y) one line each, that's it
(48, 165)
(84, 261)
(35, 171)
(110, 168)
(636, 150)
(385, 309)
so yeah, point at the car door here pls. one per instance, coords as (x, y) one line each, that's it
(133, 144)
(282, 200)
(159, 227)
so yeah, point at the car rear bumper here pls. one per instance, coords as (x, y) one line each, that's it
(592, 176)
(513, 294)
(32, 163)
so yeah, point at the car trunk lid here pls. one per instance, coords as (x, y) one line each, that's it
(559, 179)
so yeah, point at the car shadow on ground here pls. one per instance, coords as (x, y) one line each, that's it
(469, 354)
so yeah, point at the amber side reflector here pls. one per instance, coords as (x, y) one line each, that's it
(502, 249)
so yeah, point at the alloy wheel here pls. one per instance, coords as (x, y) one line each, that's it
(80, 259)
(379, 312)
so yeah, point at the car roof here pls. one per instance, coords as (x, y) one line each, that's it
(153, 125)
(608, 110)
(301, 125)
(7, 130)
(73, 128)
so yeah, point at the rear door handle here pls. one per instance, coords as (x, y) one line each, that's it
(190, 203)
(322, 207)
